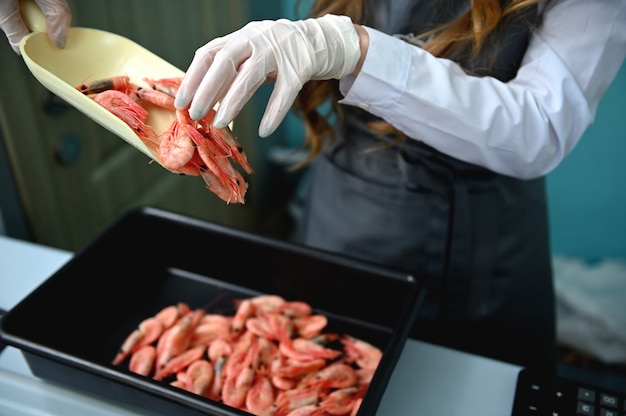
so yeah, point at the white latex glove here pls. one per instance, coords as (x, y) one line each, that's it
(58, 19)
(230, 69)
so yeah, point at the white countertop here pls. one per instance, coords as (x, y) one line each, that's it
(428, 380)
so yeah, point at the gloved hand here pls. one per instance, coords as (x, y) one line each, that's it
(231, 68)
(58, 19)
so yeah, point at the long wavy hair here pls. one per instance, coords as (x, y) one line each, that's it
(317, 102)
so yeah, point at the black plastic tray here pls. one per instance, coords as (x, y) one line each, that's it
(71, 326)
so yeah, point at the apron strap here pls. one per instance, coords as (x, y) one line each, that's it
(467, 247)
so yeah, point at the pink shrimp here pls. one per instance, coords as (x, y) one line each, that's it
(142, 361)
(200, 375)
(336, 375)
(176, 339)
(236, 358)
(341, 401)
(309, 410)
(131, 113)
(238, 383)
(219, 350)
(280, 382)
(225, 140)
(177, 147)
(245, 310)
(148, 331)
(119, 83)
(296, 309)
(176, 151)
(158, 98)
(267, 303)
(180, 362)
(360, 352)
(260, 396)
(220, 166)
(310, 326)
(211, 330)
(170, 314)
(260, 327)
(303, 349)
(289, 400)
(356, 406)
(214, 184)
(299, 369)
(168, 86)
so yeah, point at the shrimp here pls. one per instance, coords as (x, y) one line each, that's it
(245, 310)
(180, 362)
(219, 350)
(225, 140)
(131, 113)
(120, 83)
(294, 368)
(280, 382)
(237, 357)
(200, 375)
(267, 303)
(337, 376)
(214, 185)
(296, 309)
(289, 400)
(170, 314)
(309, 410)
(177, 338)
(177, 148)
(310, 326)
(155, 97)
(303, 349)
(260, 327)
(210, 331)
(220, 166)
(261, 394)
(168, 86)
(238, 383)
(364, 354)
(341, 401)
(148, 331)
(142, 360)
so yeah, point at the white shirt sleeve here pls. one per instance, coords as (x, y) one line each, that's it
(522, 128)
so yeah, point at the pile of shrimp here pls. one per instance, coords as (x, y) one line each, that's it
(270, 358)
(187, 147)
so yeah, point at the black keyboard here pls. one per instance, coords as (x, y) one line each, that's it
(538, 395)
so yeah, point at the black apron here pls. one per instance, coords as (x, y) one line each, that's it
(478, 241)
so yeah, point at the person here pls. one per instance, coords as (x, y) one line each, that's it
(58, 20)
(446, 117)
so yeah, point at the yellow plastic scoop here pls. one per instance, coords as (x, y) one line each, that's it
(90, 55)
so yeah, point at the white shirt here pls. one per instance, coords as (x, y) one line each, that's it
(522, 128)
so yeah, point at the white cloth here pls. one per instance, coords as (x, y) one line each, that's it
(522, 128)
(591, 311)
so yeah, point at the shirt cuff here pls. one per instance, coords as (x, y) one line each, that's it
(383, 76)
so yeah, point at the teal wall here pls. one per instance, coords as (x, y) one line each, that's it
(587, 192)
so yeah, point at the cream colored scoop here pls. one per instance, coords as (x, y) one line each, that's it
(90, 55)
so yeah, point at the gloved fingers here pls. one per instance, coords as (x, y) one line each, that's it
(284, 94)
(249, 78)
(219, 77)
(12, 24)
(200, 64)
(58, 20)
